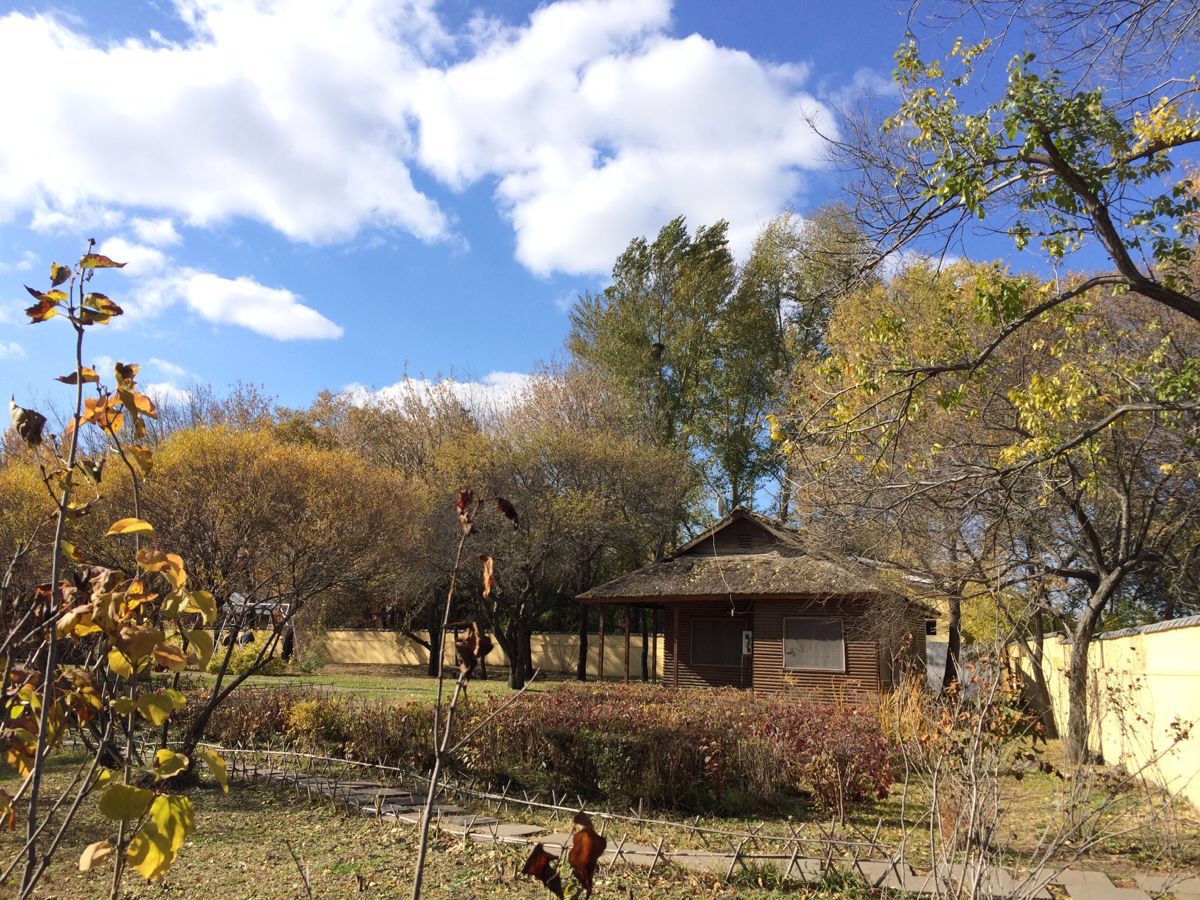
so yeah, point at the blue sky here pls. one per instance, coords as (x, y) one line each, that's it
(323, 194)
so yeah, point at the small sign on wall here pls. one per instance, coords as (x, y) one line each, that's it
(747, 643)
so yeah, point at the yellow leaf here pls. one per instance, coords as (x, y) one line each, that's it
(158, 706)
(58, 274)
(96, 261)
(142, 456)
(168, 763)
(130, 526)
(216, 765)
(122, 706)
(170, 657)
(118, 664)
(154, 847)
(201, 643)
(203, 603)
(93, 854)
(125, 802)
(89, 376)
(170, 564)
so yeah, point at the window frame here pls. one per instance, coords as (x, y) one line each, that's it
(692, 644)
(827, 671)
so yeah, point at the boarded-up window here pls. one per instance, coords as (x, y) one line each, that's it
(812, 643)
(716, 642)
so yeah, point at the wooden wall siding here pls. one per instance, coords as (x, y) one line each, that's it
(742, 536)
(862, 675)
(691, 675)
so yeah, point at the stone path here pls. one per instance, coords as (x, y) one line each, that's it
(396, 805)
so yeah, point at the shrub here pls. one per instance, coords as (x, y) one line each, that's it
(242, 658)
(716, 751)
(844, 757)
(248, 716)
(710, 750)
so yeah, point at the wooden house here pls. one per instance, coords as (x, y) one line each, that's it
(747, 604)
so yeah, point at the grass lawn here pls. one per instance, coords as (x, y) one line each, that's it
(399, 683)
(240, 850)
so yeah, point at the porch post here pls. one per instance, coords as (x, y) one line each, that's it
(627, 618)
(675, 644)
(600, 663)
(653, 644)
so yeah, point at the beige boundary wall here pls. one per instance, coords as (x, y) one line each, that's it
(1142, 681)
(553, 652)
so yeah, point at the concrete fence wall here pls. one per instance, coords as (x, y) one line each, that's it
(1144, 686)
(554, 652)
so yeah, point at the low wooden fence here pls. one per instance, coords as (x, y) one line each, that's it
(552, 652)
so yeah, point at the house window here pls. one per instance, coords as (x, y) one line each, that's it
(812, 643)
(931, 627)
(716, 642)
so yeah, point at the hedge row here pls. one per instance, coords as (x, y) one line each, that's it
(714, 750)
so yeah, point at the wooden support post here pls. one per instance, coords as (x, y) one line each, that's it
(675, 645)
(628, 615)
(600, 661)
(653, 644)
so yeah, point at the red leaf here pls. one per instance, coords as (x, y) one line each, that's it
(472, 648)
(586, 849)
(488, 581)
(540, 865)
(509, 511)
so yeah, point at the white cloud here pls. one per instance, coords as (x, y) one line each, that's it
(162, 392)
(23, 264)
(286, 112)
(11, 350)
(601, 128)
(495, 390)
(275, 312)
(159, 232)
(159, 283)
(168, 367)
(594, 123)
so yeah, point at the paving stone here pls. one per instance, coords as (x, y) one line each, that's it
(880, 873)
(1080, 883)
(700, 861)
(464, 824)
(557, 842)
(1177, 885)
(513, 832)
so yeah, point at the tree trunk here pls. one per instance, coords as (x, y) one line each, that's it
(953, 641)
(526, 653)
(1077, 678)
(581, 665)
(1077, 712)
(1041, 691)
(435, 639)
(516, 668)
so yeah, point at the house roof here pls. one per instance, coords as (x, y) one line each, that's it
(783, 566)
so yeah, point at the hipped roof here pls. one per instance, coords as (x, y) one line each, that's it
(784, 568)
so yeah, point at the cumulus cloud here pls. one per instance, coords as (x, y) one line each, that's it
(495, 390)
(11, 350)
(22, 264)
(600, 127)
(166, 392)
(283, 111)
(159, 283)
(159, 232)
(594, 122)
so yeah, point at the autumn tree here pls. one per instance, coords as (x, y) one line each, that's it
(1027, 489)
(593, 500)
